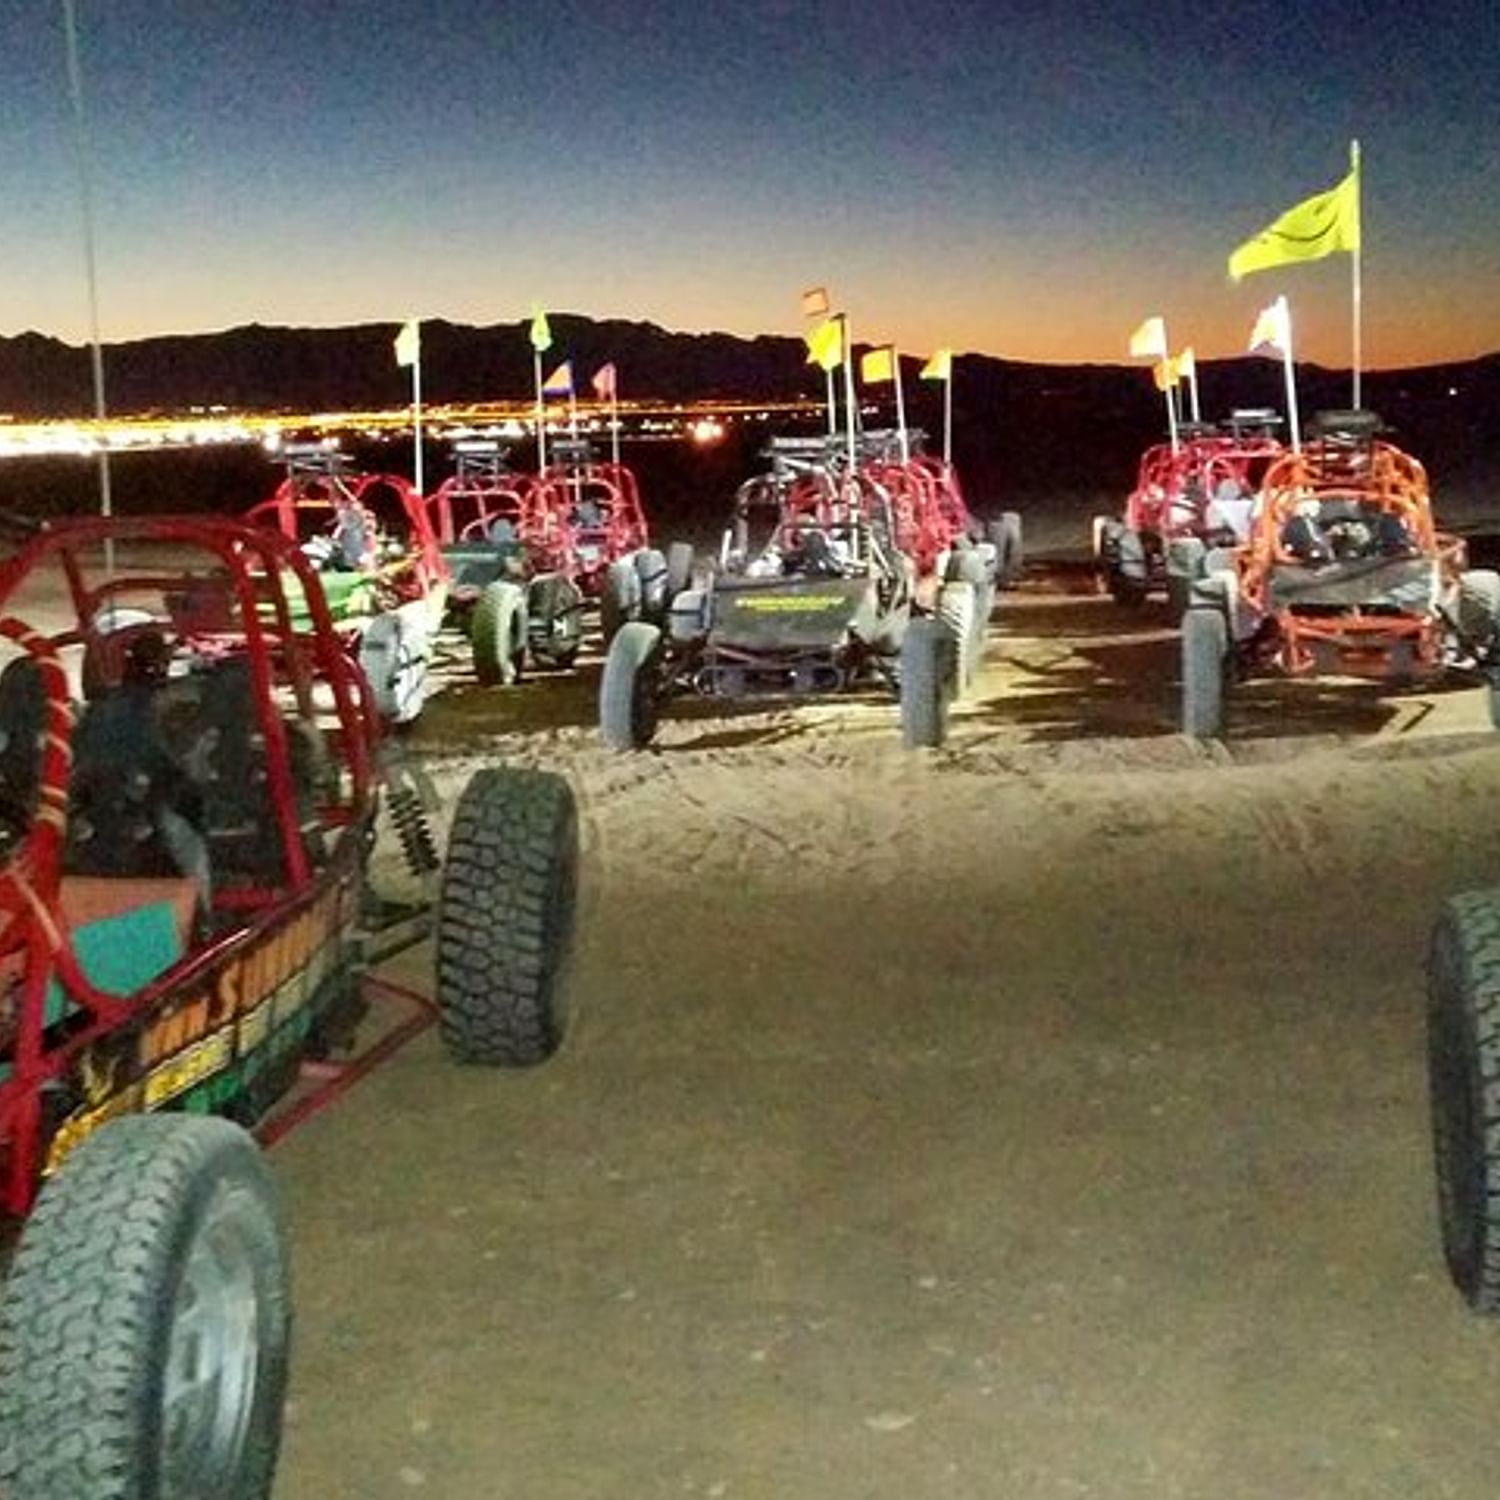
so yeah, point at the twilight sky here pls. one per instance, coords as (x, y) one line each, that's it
(1024, 179)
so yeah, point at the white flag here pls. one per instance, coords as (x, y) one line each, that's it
(1149, 341)
(1273, 327)
(409, 343)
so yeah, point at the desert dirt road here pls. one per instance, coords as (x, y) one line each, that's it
(1041, 1116)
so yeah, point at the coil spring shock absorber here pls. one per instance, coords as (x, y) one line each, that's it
(410, 794)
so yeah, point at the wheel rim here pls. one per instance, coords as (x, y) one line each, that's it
(212, 1365)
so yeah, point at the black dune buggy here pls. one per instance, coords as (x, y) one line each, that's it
(809, 596)
(189, 786)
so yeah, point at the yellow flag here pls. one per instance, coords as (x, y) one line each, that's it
(1149, 341)
(878, 365)
(541, 332)
(409, 343)
(939, 367)
(1187, 364)
(1165, 373)
(1312, 229)
(825, 344)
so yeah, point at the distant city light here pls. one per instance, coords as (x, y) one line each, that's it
(204, 424)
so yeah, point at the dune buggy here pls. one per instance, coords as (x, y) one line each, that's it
(530, 554)
(189, 783)
(810, 596)
(1344, 573)
(382, 571)
(1186, 501)
(933, 521)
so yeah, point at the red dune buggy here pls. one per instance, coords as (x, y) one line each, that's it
(933, 520)
(531, 553)
(383, 573)
(1186, 501)
(188, 793)
(1344, 573)
(811, 595)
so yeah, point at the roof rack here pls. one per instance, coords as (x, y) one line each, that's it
(570, 450)
(1253, 421)
(1353, 426)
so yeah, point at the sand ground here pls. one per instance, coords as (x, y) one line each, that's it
(1042, 1116)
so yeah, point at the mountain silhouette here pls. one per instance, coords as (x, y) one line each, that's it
(1028, 427)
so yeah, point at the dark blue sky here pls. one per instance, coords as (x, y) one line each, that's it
(1025, 179)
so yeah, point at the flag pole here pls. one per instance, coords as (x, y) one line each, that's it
(1193, 390)
(849, 385)
(91, 272)
(541, 413)
(416, 410)
(614, 420)
(833, 417)
(1291, 375)
(1168, 386)
(948, 413)
(900, 405)
(1356, 258)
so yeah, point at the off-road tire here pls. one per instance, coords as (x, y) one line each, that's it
(553, 597)
(957, 608)
(1183, 566)
(1205, 645)
(1127, 592)
(628, 688)
(1479, 606)
(656, 586)
(619, 598)
(1129, 569)
(395, 654)
(92, 1303)
(680, 561)
(497, 634)
(505, 917)
(1463, 1080)
(1011, 555)
(929, 665)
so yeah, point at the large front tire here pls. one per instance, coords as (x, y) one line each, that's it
(957, 608)
(146, 1321)
(554, 620)
(628, 689)
(679, 568)
(394, 654)
(1011, 562)
(929, 666)
(1205, 646)
(656, 586)
(1184, 565)
(619, 598)
(505, 917)
(1129, 574)
(497, 634)
(1463, 1071)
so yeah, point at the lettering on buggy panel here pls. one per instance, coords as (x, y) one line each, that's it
(214, 1033)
